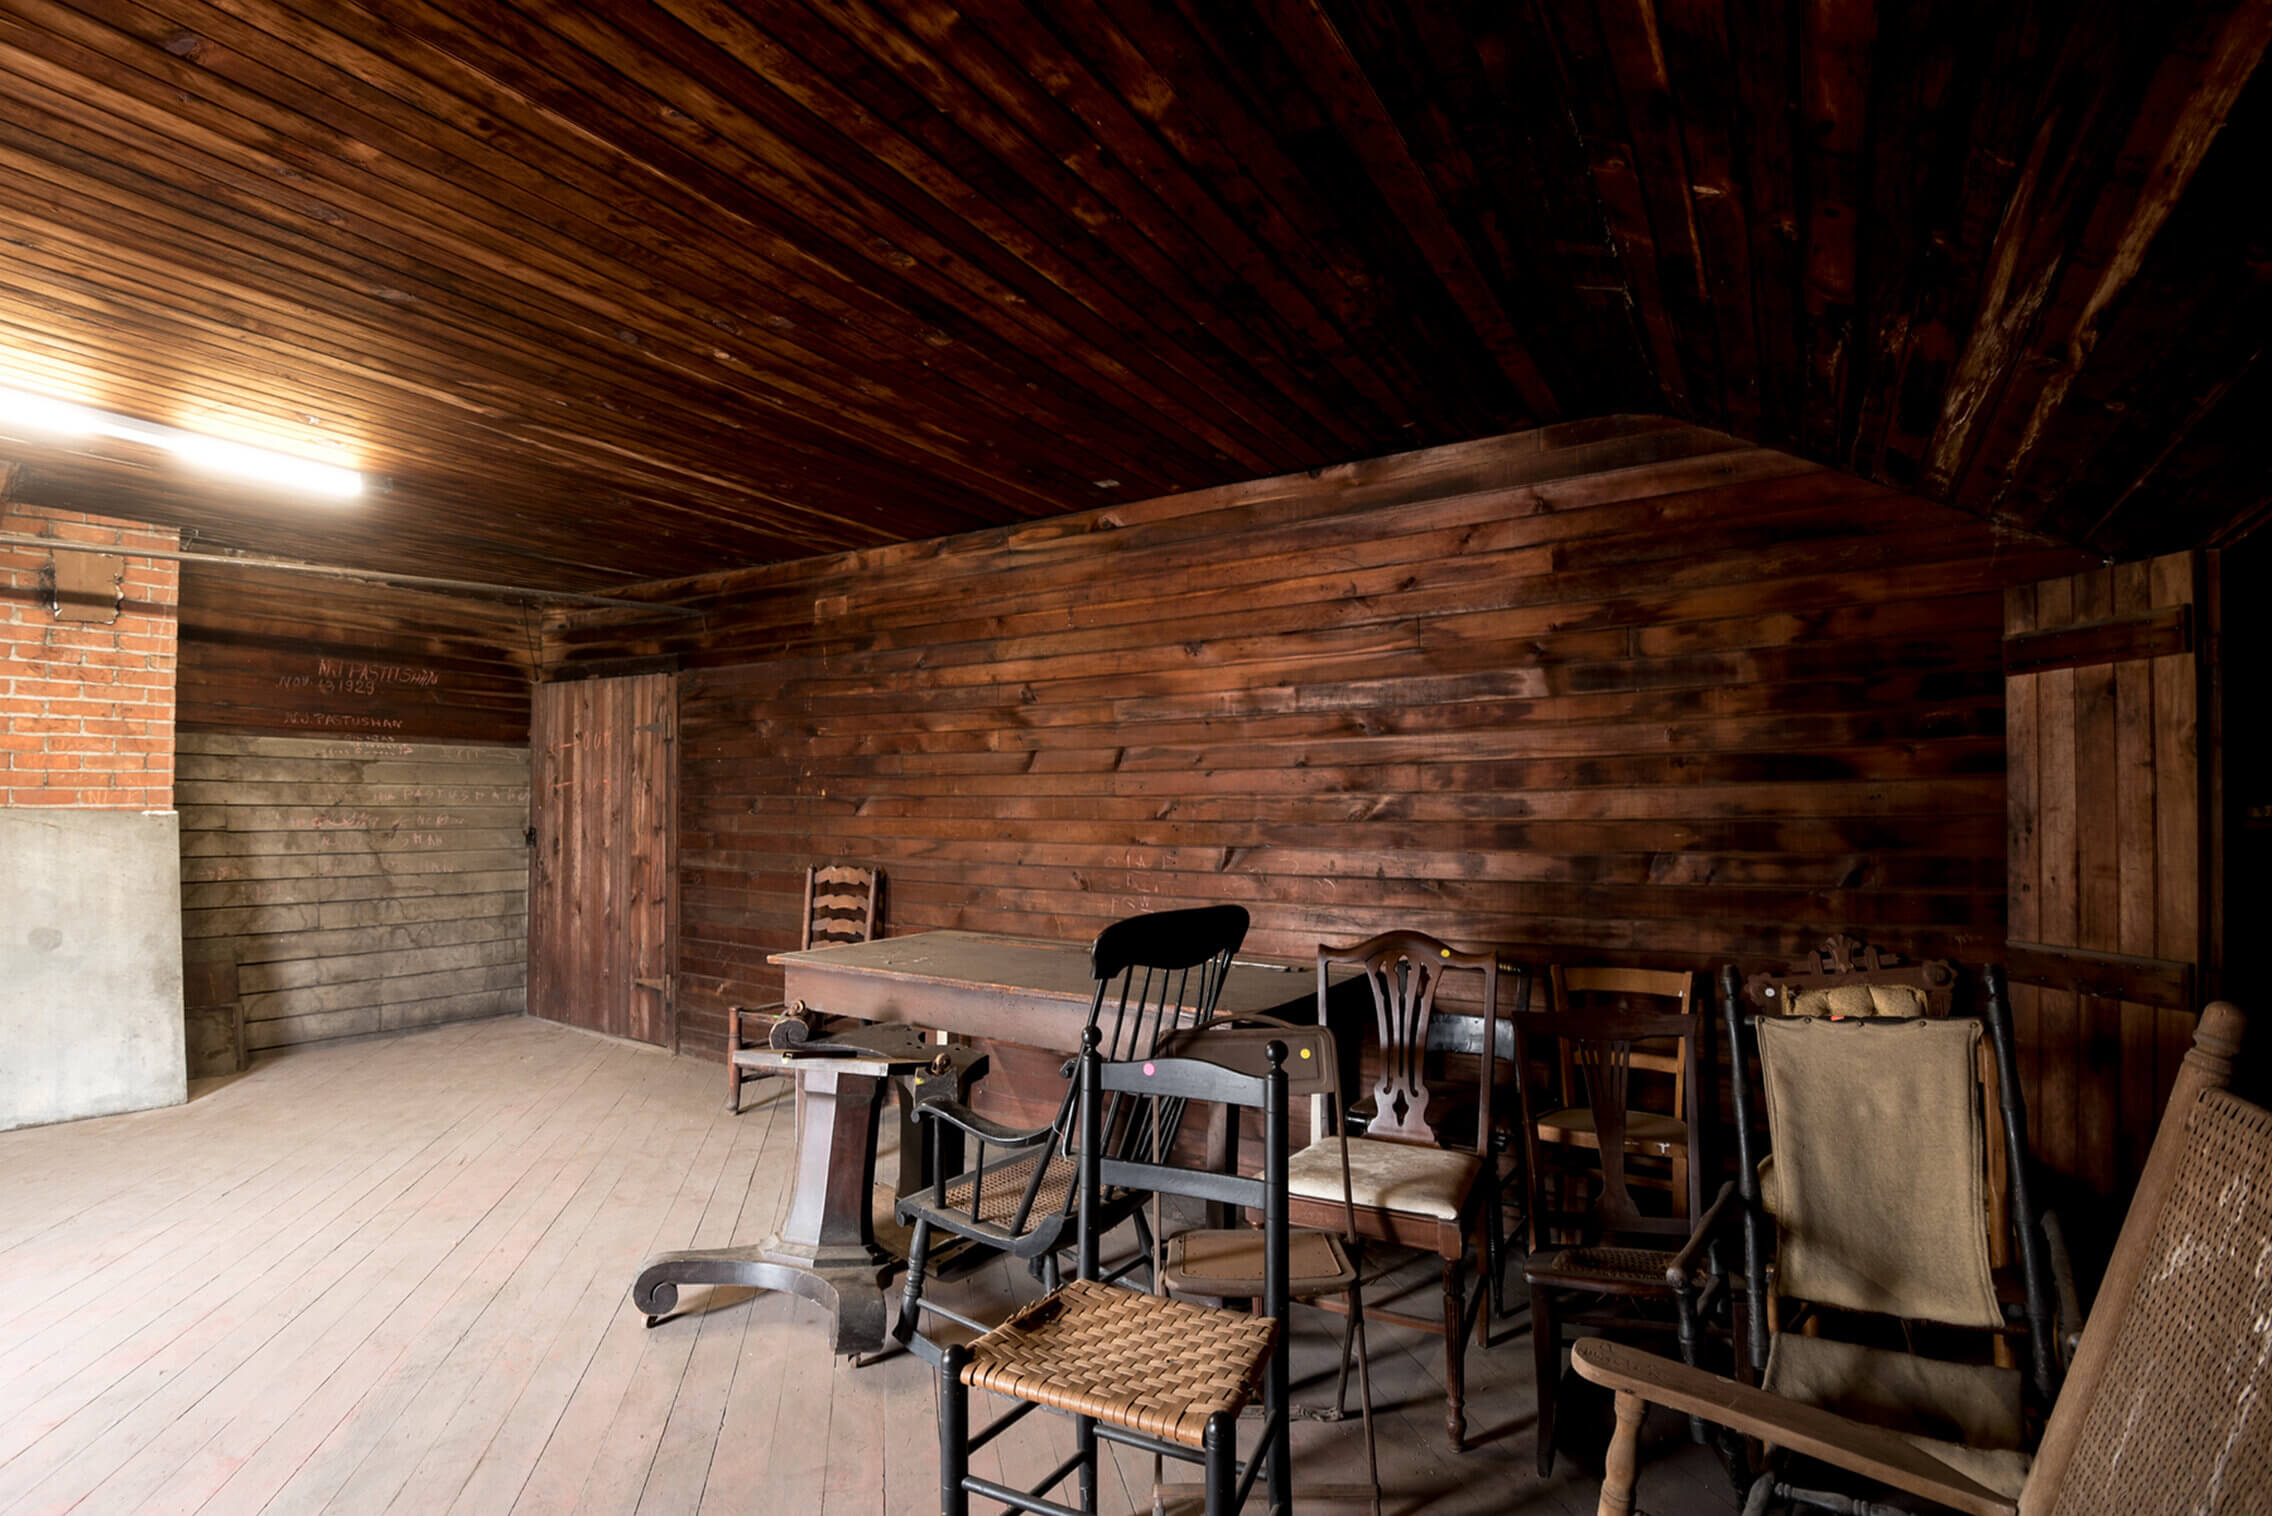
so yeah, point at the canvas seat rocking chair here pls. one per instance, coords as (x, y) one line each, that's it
(1871, 1232)
(2161, 1410)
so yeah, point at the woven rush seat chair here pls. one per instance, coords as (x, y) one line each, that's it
(841, 905)
(2161, 1410)
(1164, 1376)
(1232, 1263)
(1154, 975)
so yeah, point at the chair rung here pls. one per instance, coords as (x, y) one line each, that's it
(957, 1317)
(1016, 1499)
(1146, 1442)
(1003, 1423)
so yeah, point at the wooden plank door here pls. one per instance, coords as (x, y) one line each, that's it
(2110, 800)
(602, 800)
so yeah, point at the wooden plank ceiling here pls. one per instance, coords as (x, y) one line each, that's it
(614, 292)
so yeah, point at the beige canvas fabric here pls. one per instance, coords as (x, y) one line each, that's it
(1860, 1000)
(1880, 1198)
(1966, 1415)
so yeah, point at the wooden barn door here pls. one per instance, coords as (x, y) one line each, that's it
(602, 795)
(2111, 797)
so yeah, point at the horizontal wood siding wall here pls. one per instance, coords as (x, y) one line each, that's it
(357, 885)
(294, 655)
(1623, 691)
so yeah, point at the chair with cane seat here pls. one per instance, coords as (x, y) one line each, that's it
(1602, 1262)
(1161, 1375)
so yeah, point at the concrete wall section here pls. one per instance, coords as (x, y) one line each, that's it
(90, 964)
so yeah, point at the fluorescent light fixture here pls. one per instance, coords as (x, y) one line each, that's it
(42, 413)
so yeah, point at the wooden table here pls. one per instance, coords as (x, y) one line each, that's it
(1026, 990)
(826, 1250)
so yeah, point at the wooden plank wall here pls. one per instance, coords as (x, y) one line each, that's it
(2106, 861)
(353, 780)
(289, 654)
(359, 884)
(1626, 690)
(600, 922)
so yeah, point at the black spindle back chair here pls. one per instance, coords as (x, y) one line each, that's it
(1155, 975)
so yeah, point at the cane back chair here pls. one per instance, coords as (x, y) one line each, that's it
(1165, 1376)
(2161, 1407)
(1409, 1190)
(1154, 975)
(842, 902)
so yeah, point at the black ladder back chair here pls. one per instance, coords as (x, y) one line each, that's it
(1160, 1375)
(1155, 975)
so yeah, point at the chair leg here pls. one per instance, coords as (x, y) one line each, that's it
(954, 1433)
(1349, 1322)
(1085, 1443)
(1546, 1350)
(1494, 1220)
(1455, 1349)
(911, 1298)
(1220, 1445)
(1623, 1460)
(1364, 1389)
(733, 1069)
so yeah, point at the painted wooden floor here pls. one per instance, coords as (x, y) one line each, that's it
(392, 1275)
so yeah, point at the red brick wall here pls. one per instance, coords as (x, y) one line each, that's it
(86, 710)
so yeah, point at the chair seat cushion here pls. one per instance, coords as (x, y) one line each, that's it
(1386, 1176)
(1643, 1129)
(1143, 1362)
(1229, 1263)
(1966, 1415)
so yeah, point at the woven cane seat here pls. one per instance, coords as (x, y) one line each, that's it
(1600, 1268)
(1144, 1362)
(1004, 1187)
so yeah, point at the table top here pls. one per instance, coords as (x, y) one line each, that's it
(1022, 989)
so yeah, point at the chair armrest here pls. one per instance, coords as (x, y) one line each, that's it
(1721, 1213)
(955, 1114)
(1804, 1429)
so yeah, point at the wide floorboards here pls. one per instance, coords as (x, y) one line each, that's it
(392, 1275)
